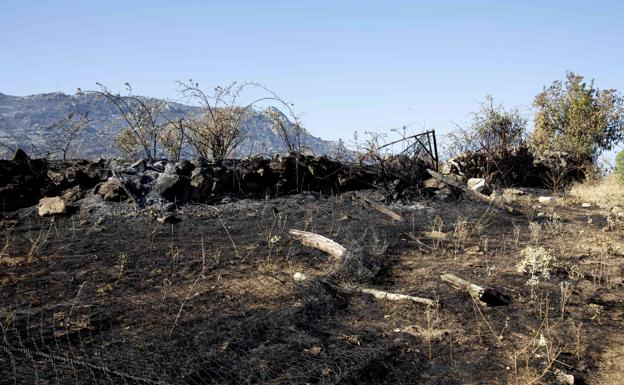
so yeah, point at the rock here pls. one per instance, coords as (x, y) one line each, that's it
(71, 195)
(299, 277)
(563, 378)
(479, 185)
(139, 165)
(52, 206)
(201, 185)
(545, 199)
(168, 218)
(516, 192)
(56, 177)
(20, 156)
(173, 187)
(434, 184)
(158, 166)
(170, 169)
(586, 205)
(112, 191)
(184, 167)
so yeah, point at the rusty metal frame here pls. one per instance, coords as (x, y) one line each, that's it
(416, 144)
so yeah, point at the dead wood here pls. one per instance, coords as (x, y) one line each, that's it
(487, 296)
(472, 193)
(378, 294)
(319, 242)
(383, 210)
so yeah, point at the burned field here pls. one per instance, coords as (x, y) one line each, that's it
(207, 293)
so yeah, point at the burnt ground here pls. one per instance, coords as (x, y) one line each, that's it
(109, 295)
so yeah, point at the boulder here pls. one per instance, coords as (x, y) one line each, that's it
(52, 206)
(479, 185)
(20, 156)
(173, 187)
(111, 190)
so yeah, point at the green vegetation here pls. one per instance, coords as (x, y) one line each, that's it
(576, 117)
(494, 129)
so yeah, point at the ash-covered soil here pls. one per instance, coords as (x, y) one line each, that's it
(110, 295)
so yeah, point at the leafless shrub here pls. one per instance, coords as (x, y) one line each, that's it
(216, 132)
(65, 132)
(144, 119)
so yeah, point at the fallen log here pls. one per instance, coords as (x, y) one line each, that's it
(487, 296)
(378, 294)
(319, 242)
(474, 194)
(383, 210)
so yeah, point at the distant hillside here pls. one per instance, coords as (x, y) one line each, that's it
(24, 122)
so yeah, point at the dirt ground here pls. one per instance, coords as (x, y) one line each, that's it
(109, 295)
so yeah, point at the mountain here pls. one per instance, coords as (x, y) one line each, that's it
(25, 122)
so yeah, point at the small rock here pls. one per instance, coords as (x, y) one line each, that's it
(479, 185)
(168, 218)
(52, 206)
(516, 192)
(434, 184)
(184, 167)
(139, 165)
(56, 177)
(545, 199)
(72, 195)
(299, 277)
(564, 378)
(170, 169)
(586, 205)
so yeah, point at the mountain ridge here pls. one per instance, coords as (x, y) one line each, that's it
(25, 122)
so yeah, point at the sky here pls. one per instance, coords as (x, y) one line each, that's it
(346, 65)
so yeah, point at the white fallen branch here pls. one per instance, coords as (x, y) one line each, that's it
(384, 210)
(378, 294)
(319, 242)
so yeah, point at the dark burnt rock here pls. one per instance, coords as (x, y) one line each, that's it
(516, 168)
(24, 183)
(20, 156)
(184, 167)
(173, 187)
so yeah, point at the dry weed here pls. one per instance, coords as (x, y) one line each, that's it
(604, 193)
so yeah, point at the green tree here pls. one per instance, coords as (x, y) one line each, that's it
(576, 117)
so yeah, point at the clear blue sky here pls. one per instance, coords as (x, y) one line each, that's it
(347, 65)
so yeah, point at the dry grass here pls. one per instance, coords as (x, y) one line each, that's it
(605, 193)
